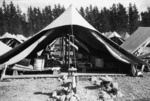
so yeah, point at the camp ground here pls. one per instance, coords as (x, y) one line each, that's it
(98, 52)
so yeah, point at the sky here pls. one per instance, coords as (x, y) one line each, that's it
(24, 4)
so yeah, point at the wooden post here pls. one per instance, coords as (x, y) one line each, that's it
(69, 52)
(134, 69)
(15, 72)
(4, 71)
(142, 69)
(65, 49)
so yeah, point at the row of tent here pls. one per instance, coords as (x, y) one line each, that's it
(138, 44)
(70, 22)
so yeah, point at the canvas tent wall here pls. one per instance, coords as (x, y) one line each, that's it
(69, 22)
(137, 40)
(4, 48)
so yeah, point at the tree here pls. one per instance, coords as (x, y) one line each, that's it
(133, 18)
(92, 16)
(1, 22)
(6, 18)
(113, 17)
(145, 16)
(57, 11)
(82, 12)
(122, 19)
(47, 15)
(30, 25)
(105, 22)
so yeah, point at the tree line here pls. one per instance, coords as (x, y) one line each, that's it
(116, 18)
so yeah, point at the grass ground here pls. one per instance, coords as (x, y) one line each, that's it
(133, 88)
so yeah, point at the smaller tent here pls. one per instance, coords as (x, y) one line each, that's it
(7, 35)
(114, 36)
(125, 36)
(21, 37)
(107, 34)
(11, 36)
(138, 40)
(11, 40)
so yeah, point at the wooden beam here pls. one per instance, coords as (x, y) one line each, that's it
(31, 76)
(96, 74)
(3, 72)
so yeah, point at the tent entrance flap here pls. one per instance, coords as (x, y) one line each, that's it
(23, 54)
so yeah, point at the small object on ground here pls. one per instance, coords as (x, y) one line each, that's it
(107, 79)
(94, 80)
(139, 74)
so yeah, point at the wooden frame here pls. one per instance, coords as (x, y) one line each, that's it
(16, 76)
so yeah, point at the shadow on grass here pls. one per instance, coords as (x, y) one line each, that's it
(92, 87)
(5, 80)
(41, 93)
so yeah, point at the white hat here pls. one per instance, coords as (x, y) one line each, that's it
(107, 79)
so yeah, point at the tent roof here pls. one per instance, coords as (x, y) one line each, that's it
(126, 36)
(21, 37)
(137, 39)
(70, 22)
(113, 34)
(107, 34)
(70, 17)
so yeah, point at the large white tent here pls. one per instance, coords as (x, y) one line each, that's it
(69, 22)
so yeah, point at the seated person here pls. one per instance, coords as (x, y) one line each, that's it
(66, 94)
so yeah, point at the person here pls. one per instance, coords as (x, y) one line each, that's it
(71, 92)
(59, 95)
(106, 83)
(66, 94)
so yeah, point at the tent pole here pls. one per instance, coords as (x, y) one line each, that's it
(69, 52)
(62, 49)
(65, 49)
